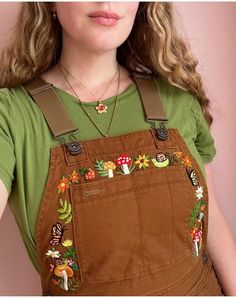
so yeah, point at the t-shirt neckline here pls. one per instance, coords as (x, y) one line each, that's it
(106, 101)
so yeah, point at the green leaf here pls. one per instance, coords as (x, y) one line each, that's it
(68, 220)
(75, 267)
(69, 209)
(65, 205)
(61, 210)
(61, 203)
(63, 216)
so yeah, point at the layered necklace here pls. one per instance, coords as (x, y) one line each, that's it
(101, 108)
(104, 134)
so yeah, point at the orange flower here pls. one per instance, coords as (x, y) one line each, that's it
(64, 184)
(73, 177)
(178, 154)
(186, 161)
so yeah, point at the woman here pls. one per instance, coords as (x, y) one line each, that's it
(119, 206)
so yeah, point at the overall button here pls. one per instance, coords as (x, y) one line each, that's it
(74, 148)
(162, 134)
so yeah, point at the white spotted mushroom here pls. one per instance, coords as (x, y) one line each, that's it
(109, 166)
(124, 161)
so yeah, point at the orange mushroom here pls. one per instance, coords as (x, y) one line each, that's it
(109, 166)
(65, 272)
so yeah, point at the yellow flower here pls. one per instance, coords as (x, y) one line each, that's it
(67, 243)
(142, 161)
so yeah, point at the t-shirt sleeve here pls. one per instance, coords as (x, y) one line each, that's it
(204, 141)
(7, 153)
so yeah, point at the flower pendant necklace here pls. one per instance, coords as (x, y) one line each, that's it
(101, 108)
(85, 109)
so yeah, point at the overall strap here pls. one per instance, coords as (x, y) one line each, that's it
(50, 105)
(150, 97)
(56, 115)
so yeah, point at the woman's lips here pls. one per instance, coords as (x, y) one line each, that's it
(107, 21)
(105, 17)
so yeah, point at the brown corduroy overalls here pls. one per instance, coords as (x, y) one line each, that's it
(122, 215)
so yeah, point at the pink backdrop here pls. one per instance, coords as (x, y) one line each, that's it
(211, 29)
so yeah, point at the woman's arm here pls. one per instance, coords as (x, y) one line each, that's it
(221, 246)
(3, 197)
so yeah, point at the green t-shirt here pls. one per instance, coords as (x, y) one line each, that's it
(25, 140)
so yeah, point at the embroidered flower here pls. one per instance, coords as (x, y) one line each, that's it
(73, 177)
(70, 262)
(142, 161)
(178, 154)
(186, 161)
(53, 253)
(64, 184)
(67, 243)
(199, 192)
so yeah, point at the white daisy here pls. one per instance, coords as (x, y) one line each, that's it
(53, 254)
(199, 192)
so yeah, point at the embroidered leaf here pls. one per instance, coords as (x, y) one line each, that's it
(63, 216)
(68, 220)
(65, 211)
(61, 210)
(69, 208)
(195, 213)
(75, 267)
(65, 204)
(99, 166)
(83, 171)
(70, 253)
(73, 284)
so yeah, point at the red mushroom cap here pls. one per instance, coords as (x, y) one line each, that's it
(123, 159)
(197, 234)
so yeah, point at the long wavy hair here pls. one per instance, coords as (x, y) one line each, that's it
(153, 46)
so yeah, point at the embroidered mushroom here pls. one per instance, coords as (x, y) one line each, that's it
(64, 271)
(124, 161)
(196, 236)
(109, 166)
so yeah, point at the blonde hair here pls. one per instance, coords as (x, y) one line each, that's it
(152, 46)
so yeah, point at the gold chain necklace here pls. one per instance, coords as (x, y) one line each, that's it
(85, 110)
(101, 108)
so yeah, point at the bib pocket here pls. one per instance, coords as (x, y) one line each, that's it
(106, 229)
(164, 201)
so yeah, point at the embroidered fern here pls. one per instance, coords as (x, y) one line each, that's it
(65, 211)
(99, 166)
(195, 213)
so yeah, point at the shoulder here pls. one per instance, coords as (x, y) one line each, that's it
(174, 93)
(14, 100)
(176, 101)
(10, 95)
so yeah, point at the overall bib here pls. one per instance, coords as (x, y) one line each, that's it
(122, 215)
